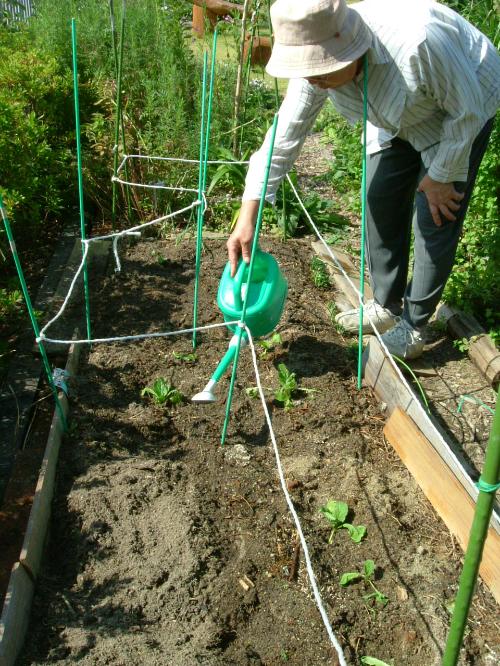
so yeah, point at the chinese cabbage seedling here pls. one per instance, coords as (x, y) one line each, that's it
(366, 576)
(336, 514)
(163, 393)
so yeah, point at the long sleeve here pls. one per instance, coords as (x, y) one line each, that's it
(449, 78)
(297, 114)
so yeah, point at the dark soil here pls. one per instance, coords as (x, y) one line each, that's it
(155, 524)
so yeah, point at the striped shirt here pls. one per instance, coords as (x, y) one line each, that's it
(433, 80)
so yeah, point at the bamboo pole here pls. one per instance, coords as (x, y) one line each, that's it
(488, 484)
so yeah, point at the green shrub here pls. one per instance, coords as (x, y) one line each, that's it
(35, 120)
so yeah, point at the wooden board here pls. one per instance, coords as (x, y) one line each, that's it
(34, 540)
(443, 490)
(381, 376)
(481, 349)
(15, 615)
(342, 257)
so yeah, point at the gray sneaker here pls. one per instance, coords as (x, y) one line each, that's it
(382, 318)
(404, 341)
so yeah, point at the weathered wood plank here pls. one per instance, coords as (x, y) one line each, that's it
(443, 490)
(15, 615)
(34, 540)
(381, 376)
(481, 349)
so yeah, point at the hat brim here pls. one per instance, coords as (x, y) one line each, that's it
(305, 60)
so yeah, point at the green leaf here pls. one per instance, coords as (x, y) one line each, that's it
(356, 532)
(335, 512)
(350, 577)
(369, 568)
(373, 661)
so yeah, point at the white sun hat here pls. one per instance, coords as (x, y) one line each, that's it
(315, 37)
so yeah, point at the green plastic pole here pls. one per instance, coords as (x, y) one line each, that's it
(31, 312)
(199, 223)
(118, 116)
(363, 221)
(487, 484)
(201, 208)
(209, 113)
(80, 176)
(249, 278)
(122, 124)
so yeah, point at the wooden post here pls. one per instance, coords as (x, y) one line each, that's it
(199, 15)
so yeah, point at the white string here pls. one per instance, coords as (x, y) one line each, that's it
(139, 227)
(128, 338)
(392, 362)
(86, 242)
(154, 187)
(310, 571)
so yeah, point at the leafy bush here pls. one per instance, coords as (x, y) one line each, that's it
(35, 122)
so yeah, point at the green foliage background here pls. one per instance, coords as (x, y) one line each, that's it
(161, 101)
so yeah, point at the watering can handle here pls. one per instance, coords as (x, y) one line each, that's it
(238, 283)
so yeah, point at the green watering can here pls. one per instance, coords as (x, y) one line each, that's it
(266, 299)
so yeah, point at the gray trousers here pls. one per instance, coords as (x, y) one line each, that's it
(393, 176)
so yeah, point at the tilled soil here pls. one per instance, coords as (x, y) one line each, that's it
(167, 548)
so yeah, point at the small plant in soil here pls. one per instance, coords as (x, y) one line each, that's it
(373, 661)
(185, 358)
(268, 345)
(333, 311)
(367, 576)
(163, 393)
(336, 514)
(288, 386)
(319, 273)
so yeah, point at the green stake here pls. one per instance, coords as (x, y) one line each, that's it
(80, 176)
(363, 221)
(249, 278)
(204, 161)
(488, 484)
(118, 116)
(122, 124)
(31, 312)
(199, 224)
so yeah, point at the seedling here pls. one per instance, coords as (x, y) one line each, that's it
(373, 661)
(319, 273)
(159, 258)
(269, 344)
(366, 576)
(336, 514)
(462, 344)
(252, 392)
(332, 312)
(288, 384)
(185, 358)
(163, 393)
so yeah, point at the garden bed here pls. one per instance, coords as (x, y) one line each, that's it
(167, 549)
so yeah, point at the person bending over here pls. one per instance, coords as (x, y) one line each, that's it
(433, 91)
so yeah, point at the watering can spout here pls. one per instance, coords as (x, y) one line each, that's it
(208, 394)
